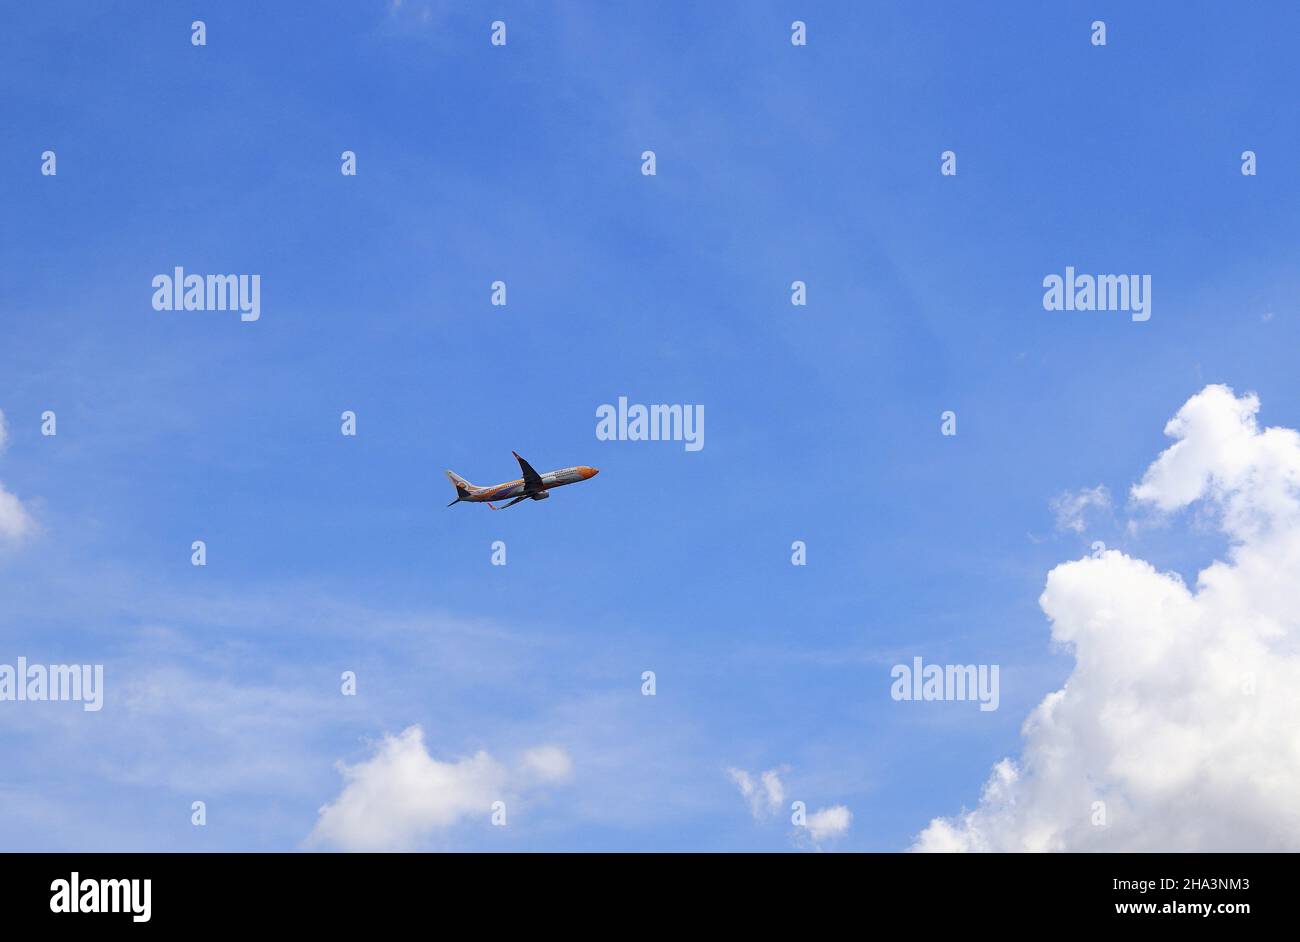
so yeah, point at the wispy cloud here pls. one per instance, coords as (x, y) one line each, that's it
(1071, 507)
(765, 795)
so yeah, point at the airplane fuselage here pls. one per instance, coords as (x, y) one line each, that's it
(532, 486)
(516, 488)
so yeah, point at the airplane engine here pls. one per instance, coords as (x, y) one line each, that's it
(541, 495)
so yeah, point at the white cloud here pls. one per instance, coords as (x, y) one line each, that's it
(549, 764)
(1071, 507)
(398, 797)
(16, 523)
(1177, 729)
(766, 796)
(829, 823)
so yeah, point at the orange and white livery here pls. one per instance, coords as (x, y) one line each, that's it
(532, 486)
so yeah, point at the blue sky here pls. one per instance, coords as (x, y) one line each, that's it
(522, 163)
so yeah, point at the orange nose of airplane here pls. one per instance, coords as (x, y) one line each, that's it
(588, 472)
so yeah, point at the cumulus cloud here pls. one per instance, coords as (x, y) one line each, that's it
(1071, 507)
(16, 523)
(765, 796)
(398, 797)
(1177, 728)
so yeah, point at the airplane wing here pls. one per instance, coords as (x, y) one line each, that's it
(532, 480)
(511, 504)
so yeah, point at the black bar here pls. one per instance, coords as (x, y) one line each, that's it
(328, 892)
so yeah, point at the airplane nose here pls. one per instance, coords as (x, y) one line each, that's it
(588, 472)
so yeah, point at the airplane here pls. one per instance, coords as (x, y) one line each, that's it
(532, 486)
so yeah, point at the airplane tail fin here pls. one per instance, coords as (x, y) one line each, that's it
(462, 487)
